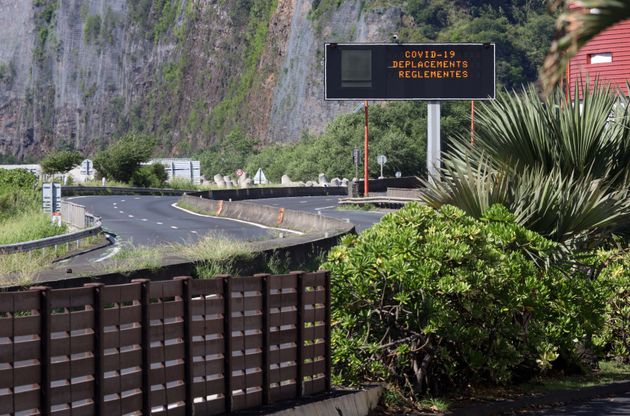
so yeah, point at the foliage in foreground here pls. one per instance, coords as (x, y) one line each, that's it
(430, 300)
(614, 280)
(560, 165)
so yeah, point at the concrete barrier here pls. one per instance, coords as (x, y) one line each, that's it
(269, 216)
(344, 402)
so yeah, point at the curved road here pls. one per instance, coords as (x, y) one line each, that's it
(327, 205)
(152, 220)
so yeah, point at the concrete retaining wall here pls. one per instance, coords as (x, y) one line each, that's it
(218, 194)
(404, 193)
(381, 185)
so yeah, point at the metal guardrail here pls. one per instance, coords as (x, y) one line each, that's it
(71, 213)
(51, 241)
(378, 200)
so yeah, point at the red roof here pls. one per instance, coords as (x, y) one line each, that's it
(616, 41)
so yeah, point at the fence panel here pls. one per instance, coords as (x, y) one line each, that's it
(208, 346)
(20, 353)
(166, 348)
(122, 349)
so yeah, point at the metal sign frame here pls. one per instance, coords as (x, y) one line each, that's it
(430, 45)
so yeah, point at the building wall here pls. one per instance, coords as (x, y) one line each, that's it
(615, 40)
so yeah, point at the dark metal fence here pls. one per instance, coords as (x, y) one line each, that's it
(160, 347)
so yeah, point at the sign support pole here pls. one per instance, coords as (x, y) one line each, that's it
(433, 138)
(365, 154)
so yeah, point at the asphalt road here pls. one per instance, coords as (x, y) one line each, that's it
(605, 406)
(327, 205)
(152, 220)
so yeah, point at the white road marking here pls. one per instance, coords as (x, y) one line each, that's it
(322, 208)
(194, 232)
(122, 200)
(159, 223)
(303, 202)
(144, 219)
(130, 216)
(115, 250)
(241, 221)
(173, 227)
(122, 212)
(136, 198)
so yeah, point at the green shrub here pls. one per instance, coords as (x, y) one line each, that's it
(614, 339)
(17, 193)
(430, 300)
(150, 176)
(61, 161)
(122, 158)
(17, 178)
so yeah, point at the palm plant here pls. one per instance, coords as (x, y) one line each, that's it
(574, 29)
(562, 167)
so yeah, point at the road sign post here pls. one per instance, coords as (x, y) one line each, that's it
(381, 159)
(433, 138)
(356, 155)
(51, 197)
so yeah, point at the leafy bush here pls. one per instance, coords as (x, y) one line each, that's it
(150, 176)
(16, 178)
(429, 300)
(614, 280)
(122, 158)
(61, 161)
(17, 192)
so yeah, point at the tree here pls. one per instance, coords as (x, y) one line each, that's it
(61, 161)
(575, 28)
(122, 158)
(229, 154)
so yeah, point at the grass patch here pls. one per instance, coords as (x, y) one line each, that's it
(27, 226)
(131, 257)
(215, 254)
(22, 268)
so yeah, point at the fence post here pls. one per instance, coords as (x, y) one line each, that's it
(227, 339)
(188, 353)
(265, 335)
(44, 337)
(300, 333)
(327, 340)
(145, 302)
(99, 348)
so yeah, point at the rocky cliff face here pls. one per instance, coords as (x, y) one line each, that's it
(79, 73)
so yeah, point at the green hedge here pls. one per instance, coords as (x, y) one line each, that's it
(430, 300)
